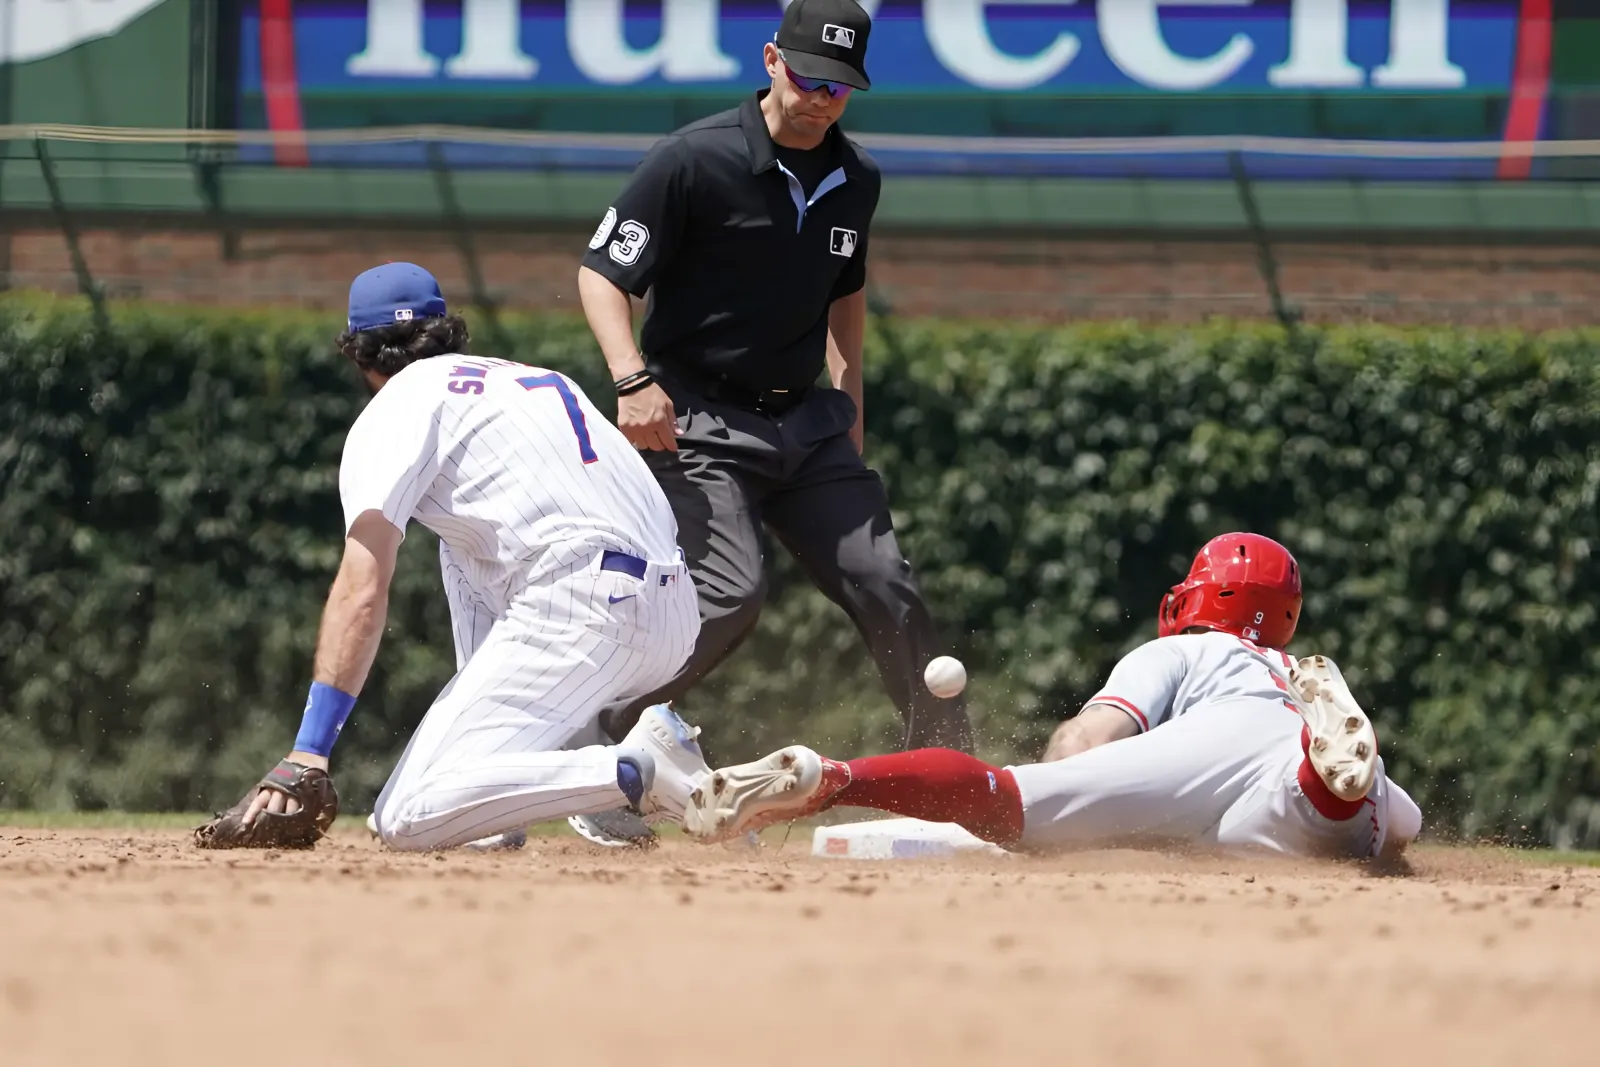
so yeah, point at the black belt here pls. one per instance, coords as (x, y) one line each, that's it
(721, 391)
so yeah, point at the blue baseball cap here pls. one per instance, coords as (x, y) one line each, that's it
(394, 292)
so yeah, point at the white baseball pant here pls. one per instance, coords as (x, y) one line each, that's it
(488, 757)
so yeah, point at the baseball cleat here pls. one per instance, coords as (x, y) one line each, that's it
(1342, 746)
(792, 783)
(669, 759)
(618, 828)
(509, 841)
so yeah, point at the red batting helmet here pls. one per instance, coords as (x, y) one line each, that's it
(1242, 584)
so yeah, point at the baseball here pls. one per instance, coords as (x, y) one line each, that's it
(945, 677)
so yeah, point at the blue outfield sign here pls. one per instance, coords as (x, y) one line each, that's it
(1100, 67)
(941, 46)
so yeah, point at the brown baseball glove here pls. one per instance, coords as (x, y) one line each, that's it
(319, 806)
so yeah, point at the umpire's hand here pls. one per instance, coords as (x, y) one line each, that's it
(648, 420)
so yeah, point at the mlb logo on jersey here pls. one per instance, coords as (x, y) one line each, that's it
(842, 36)
(843, 242)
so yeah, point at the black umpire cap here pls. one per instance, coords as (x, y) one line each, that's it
(826, 39)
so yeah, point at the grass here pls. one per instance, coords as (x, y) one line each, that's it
(126, 820)
(1556, 857)
(349, 822)
(99, 820)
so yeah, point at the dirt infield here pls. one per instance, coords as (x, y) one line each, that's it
(133, 948)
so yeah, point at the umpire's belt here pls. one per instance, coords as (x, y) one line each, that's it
(623, 563)
(719, 390)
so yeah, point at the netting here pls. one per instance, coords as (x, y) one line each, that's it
(143, 213)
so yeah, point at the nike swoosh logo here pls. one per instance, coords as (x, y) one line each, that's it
(620, 599)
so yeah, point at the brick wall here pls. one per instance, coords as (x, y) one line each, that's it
(1044, 278)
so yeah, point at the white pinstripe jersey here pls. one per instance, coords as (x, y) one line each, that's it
(512, 466)
(1173, 676)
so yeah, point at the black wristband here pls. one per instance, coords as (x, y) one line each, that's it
(635, 382)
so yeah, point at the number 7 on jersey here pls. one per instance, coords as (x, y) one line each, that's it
(580, 426)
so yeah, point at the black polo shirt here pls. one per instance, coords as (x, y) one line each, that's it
(740, 263)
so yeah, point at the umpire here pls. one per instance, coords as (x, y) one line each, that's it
(749, 230)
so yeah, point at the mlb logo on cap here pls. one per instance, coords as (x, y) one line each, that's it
(394, 292)
(827, 40)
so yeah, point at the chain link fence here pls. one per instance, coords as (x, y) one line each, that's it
(1013, 228)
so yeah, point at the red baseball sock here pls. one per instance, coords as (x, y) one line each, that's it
(938, 785)
(1316, 790)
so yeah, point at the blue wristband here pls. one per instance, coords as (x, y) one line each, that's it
(326, 710)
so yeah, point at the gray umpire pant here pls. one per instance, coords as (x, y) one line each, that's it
(798, 473)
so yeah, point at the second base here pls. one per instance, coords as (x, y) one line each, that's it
(896, 839)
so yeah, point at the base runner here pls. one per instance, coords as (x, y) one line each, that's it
(567, 594)
(1210, 734)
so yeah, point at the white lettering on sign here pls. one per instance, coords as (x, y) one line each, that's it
(37, 29)
(686, 52)
(1319, 55)
(491, 42)
(689, 48)
(1131, 33)
(1419, 48)
(960, 38)
(394, 42)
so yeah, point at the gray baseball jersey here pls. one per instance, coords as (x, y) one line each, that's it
(1171, 676)
(1224, 769)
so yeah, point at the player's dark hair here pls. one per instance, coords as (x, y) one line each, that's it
(388, 350)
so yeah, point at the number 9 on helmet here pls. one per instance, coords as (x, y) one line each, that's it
(1241, 584)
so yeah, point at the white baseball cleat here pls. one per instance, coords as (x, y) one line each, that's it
(789, 784)
(1343, 746)
(669, 759)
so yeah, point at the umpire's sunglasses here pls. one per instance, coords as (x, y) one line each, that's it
(838, 90)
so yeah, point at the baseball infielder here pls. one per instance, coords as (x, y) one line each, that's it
(567, 594)
(1209, 734)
